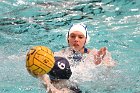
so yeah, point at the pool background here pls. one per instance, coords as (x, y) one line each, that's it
(111, 23)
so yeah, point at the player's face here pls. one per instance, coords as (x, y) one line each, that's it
(77, 40)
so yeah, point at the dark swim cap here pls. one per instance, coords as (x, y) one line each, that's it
(61, 69)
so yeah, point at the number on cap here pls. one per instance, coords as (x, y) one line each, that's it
(61, 65)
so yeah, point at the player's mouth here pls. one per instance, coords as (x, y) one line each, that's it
(75, 44)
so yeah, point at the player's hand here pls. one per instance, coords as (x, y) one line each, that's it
(100, 55)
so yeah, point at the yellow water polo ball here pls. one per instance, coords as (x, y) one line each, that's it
(39, 60)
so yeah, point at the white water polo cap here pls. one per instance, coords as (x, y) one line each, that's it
(81, 28)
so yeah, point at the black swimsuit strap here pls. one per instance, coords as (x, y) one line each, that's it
(85, 50)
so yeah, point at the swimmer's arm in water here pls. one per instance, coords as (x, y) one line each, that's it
(50, 88)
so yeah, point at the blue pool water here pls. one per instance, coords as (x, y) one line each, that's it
(111, 23)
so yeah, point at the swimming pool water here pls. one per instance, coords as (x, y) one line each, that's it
(111, 23)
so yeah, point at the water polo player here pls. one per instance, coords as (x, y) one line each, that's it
(57, 80)
(77, 39)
